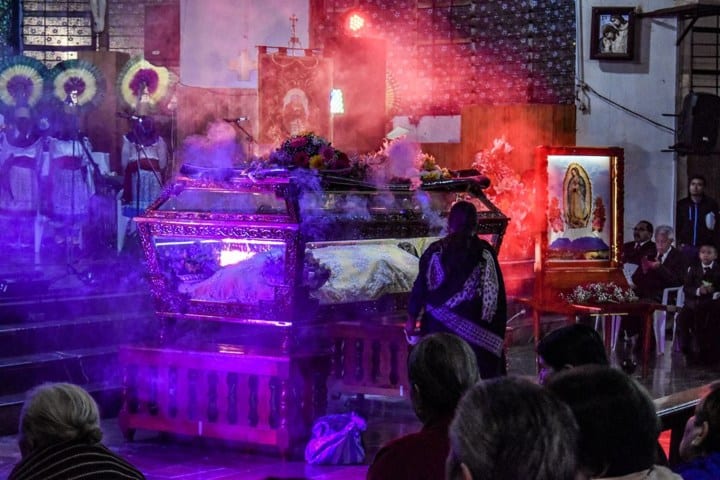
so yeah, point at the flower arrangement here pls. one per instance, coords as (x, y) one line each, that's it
(307, 150)
(430, 171)
(600, 292)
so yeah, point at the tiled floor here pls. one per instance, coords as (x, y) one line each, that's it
(164, 458)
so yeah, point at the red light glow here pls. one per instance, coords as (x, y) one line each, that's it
(355, 22)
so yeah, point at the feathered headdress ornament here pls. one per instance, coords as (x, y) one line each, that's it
(21, 81)
(77, 83)
(142, 84)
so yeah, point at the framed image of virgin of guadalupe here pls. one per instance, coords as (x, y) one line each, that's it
(580, 194)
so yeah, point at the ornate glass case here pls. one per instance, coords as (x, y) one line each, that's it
(274, 250)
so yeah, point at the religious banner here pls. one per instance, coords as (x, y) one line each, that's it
(293, 94)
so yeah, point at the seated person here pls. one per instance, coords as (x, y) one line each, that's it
(618, 425)
(700, 445)
(655, 274)
(697, 322)
(667, 269)
(510, 428)
(60, 438)
(569, 347)
(642, 245)
(441, 367)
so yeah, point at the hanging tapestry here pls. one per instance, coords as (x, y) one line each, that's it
(294, 95)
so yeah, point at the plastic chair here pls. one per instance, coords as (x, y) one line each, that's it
(660, 317)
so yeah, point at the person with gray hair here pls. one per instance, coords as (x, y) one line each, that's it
(666, 269)
(511, 428)
(60, 438)
(441, 367)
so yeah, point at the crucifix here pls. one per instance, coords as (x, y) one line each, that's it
(294, 40)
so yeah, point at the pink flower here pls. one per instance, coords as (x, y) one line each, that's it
(298, 142)
(327, 152)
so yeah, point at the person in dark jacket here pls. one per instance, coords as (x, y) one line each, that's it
(459, 289)
(695, 219)
(642, 245)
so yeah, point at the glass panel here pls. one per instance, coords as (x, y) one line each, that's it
(222, 270)
(364, 205)
(216, 201)
(579, 195)
(359, 271)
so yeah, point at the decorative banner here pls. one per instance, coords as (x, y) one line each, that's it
(77, 82)
(293, 95)
(21, 81)
(142, 84)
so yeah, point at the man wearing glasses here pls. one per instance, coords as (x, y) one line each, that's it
(642, 245)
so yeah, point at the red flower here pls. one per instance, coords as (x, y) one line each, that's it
(301, 159)
(327, 152)
(341, 161)
(298, 142)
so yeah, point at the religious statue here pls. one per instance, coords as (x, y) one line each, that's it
(577, 197)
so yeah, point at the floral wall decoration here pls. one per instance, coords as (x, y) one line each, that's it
(445, 56)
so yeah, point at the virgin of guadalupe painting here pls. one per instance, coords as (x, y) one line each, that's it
(578, 196)
(579, 191)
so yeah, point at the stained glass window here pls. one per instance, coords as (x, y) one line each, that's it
(54, 30)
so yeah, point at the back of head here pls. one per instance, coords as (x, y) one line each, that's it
(55, 413)
(616, 416)
(709, 411)
(462, 218)
(510, 428)
(573, 345)
(442, 366)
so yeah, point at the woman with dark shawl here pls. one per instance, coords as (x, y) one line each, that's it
(459, 289)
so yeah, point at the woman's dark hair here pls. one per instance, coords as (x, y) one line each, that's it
(443, 366)
(510, 428)
(709, 411)
(697, 176)
(616, 416)
(462, 219)
(572, 345)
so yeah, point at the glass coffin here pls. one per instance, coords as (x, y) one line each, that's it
(276, 250)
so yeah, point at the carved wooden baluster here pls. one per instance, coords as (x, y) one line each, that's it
(375, 362)
(273, 385)
(253, 416)
(338, 358)
(359, 371)
(153, 407)
(172, 392)
(319, 390)
(394, 367)
(212, 408)
(131, 391)
(192, 407)
(284, 391)
(232, 413)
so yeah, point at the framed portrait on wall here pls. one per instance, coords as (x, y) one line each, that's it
(612, 33)
(582, 194)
